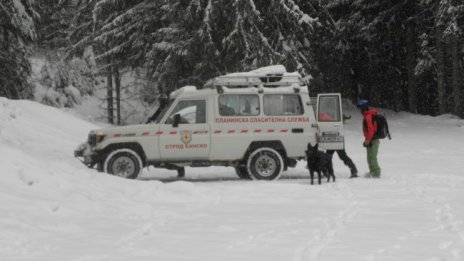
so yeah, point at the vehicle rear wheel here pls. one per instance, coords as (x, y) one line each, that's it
(124, 163)
(265, 164)
(242, 172)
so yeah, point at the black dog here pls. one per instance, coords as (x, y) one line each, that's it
(319, 161)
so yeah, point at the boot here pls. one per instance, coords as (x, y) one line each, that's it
(354, 174)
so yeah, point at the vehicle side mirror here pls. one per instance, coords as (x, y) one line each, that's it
(176, 121)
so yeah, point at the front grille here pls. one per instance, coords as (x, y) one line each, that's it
(92, 139)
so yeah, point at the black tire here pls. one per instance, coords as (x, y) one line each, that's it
(124, 163)
(242, 172)
(265, 164)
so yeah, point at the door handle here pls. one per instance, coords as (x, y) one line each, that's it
(297, 130)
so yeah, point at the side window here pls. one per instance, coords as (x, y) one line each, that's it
(191, 112)
(329, 109)
(238, 105)
(282, 104)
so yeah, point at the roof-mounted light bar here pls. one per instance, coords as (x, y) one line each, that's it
(251, 80)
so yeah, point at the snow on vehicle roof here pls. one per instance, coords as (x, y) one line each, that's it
(254, 90)
(264, 71)
(252, 82)
(274, 76)
(273, 69)
(176, 93)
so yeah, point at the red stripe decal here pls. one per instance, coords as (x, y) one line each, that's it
(173, 132)
(244, 131)
(217, 131)
(284, 131)
(146, 133)
(159, 133)
(117, 135)
(196, 132)
(231, 131)
(270, 131)
(256, 131)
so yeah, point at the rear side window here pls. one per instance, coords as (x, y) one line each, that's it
(238, 105)
(282, 104)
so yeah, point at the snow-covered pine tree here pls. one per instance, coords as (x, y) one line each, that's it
(440, 55)
(82, 35)
(450, 20)
(17, 30)
(348, 48)
(53, 25)
(386, 31)
(188, 42)
(117, 36)
(298, 32)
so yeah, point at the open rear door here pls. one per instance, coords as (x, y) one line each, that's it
(330, 121)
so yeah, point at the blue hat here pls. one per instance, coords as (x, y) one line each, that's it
(362, 103)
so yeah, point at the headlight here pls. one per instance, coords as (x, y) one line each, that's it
(99, 137)
(95, 138)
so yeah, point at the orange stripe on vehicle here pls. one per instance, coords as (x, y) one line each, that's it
(146, 133)
(231, 131)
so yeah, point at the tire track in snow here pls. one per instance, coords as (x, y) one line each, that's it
(148, 227)
(323, 237)
(446, 220)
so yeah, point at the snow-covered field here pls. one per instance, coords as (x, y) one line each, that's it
(53, 208)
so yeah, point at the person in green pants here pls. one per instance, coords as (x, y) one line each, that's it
(370, 141)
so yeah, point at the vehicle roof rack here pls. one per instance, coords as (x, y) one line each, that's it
(245, 80)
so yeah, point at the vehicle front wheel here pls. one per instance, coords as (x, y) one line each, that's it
(124, 163)
(265, 164)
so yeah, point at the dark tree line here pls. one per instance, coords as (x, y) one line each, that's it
(403, 54)
(17, 30)
(400, 54)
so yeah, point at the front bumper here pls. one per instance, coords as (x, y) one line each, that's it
(88, 157)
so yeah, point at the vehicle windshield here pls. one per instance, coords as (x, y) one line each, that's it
(161, 114)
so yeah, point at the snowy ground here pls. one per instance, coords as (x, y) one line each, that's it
(53, 208)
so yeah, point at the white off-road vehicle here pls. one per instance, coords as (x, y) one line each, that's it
(258, 122)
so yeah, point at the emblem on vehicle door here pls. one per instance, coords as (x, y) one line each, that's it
(186, 136)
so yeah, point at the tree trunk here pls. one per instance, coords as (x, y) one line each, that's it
(456, 76)
(411, 64)
(109, 96)
(117, 81)
(441, 89)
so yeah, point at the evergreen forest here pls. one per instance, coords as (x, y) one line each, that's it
(404, 55)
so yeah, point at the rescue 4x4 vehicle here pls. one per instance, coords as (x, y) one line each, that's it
(258, 122)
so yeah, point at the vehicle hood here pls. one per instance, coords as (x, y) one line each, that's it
(128, 131)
